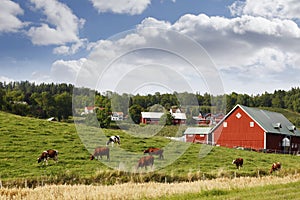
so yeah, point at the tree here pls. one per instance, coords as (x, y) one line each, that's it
(63, 105)
(104, 115)
(166, 119)
(135, 112)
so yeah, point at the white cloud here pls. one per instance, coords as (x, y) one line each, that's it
(131, 7)
(61, 25)
(66, 71)
(69, 50)
(252, 53)
(286, 9)
(9, 22)
(6, 79)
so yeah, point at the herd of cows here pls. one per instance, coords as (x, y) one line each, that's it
(142, 162)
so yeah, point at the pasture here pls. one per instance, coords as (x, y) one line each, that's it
(273, 188)
(22, 139)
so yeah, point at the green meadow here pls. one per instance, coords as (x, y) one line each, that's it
(266, 192)
(22, 140)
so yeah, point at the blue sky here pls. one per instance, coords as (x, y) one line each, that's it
(145, 46)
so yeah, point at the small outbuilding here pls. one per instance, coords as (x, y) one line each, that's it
(197, 134)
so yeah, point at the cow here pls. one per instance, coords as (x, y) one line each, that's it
(275, 166)
(113, 139)
(238, 162)
(145, 161)
(49, 154)
(155, 151)
(100, 151)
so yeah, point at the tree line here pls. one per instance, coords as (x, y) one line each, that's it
(56, 100)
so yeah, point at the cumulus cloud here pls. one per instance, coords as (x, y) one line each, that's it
(6, 79)
(66, 71)
(286, 9)
(9, 22)
(69, 50)
(61, 25)
(131, 7)
(252, 54)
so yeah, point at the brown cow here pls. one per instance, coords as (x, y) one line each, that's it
(238, 162)
(49, 154)
(145, 161)
(275, 166)
(155, 151)
(100, 151)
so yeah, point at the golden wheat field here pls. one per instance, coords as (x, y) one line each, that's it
(139, 191)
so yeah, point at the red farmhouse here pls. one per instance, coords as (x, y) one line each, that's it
(256, 129)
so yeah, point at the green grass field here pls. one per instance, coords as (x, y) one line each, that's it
(268, 192)
(22, 139)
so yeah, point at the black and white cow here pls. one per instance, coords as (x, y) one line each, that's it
(49, 154)
(113, 139)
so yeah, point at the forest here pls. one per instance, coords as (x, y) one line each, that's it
(63, 101)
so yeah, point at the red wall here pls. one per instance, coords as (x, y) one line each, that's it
(239, 133)
(201, 138)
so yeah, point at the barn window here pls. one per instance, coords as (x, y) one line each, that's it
(251, 124)
(238, 115)
(225, 124)
(201, 135)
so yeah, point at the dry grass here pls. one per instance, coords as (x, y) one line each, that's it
(139, 191)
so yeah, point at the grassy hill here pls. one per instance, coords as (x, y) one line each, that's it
(22, 139)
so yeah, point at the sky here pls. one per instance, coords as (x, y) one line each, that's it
(147, 46)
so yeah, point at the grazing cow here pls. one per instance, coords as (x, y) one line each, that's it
(100, 151)
(113, 139)
(238, 162)
(145, 161)
(49, 154)
(155, 151)
(275, 166)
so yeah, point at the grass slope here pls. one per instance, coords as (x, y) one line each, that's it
(22, 139)
(267, 192)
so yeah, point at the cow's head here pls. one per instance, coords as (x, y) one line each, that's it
(39, 159)
(92, 157)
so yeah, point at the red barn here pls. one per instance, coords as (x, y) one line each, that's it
(151, 117)
(256, 129)
(197, 134)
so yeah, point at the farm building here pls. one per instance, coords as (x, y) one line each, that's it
(256, 129)
(208, 119)
(117, 116)
(151, 117)
(154, 117)
(197, 134)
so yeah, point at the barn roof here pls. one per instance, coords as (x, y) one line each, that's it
(271, 122)
(179, 115)
(197, 130)
(152, 115)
